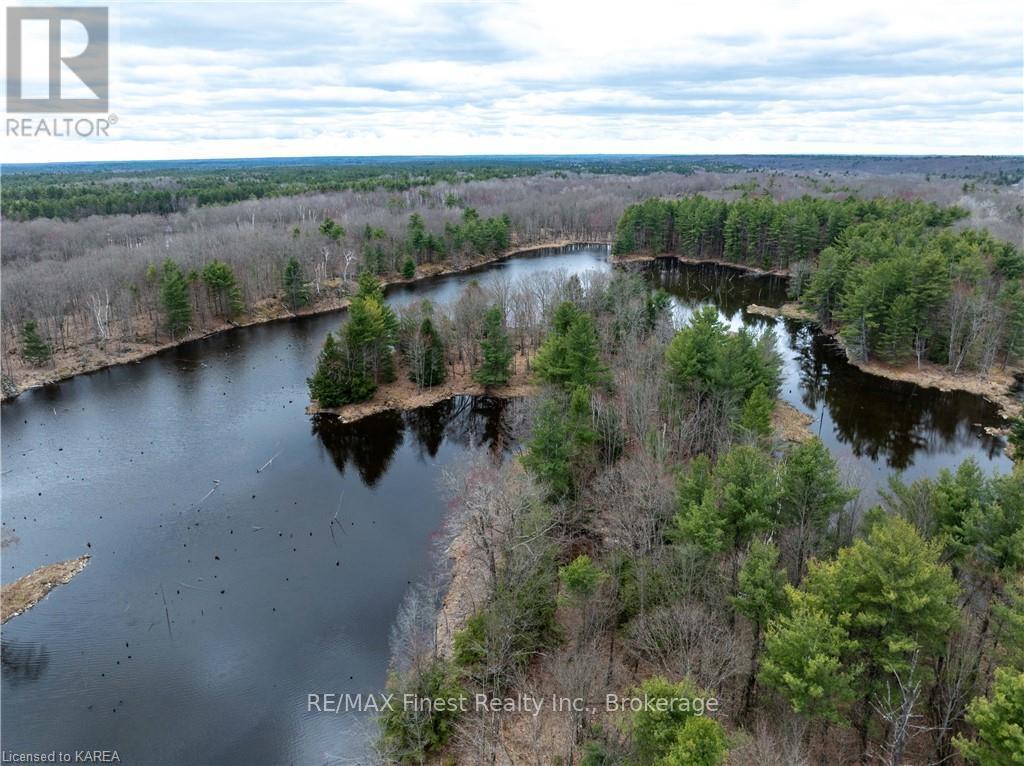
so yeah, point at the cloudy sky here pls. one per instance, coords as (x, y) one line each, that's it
(220, 79)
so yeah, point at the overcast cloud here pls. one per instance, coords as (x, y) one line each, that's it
(295, 79)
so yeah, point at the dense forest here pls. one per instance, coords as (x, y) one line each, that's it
(656, 538)
(109, 190)
(97, 288)
(892, 276)
(85, 189)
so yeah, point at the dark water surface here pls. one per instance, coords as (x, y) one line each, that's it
(264, 604)
(873, 426)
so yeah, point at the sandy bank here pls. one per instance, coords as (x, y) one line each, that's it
(791, 424)
(788, 310)
(23, 594)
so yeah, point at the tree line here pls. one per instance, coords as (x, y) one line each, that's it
(91, 282)
(136, 188)
(891, 276)
(656, 537)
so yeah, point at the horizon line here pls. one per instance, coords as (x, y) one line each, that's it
(527, 155)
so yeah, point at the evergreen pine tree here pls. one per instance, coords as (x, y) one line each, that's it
(33, 348)
(812, 495)
(580, 577)
(582, 356)
(756, 416)
(296, 294)
(327, 385)
(999, 720)
(409, 268)
(674, 734)
(701, 741)
(174, 298)
(1016, 438)
(881, 603)
(370, 334)
(570, 355)
(804, 660)
(898, 335)
(741, 501)
(694, 351)
(760, 597)
(496, 350)
(549, 452)
(339, 378)
(220, 281)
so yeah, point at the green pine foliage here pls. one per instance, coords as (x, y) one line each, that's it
(220, 281)
(700, 741)
(479, 236)
(813, 496)
(1009, 614)
(704, 358)
(338, 378)
(351, 366)
(34, 349)
(581, 577)
(421, 245)
(890, 275)
(562, 449)
(409, 734)
(296, 294)
(978, 519)
(757, 230)
(332, 229)
(673, 729)
(740, 500)
(899, 292)
(495, 349)
(1016, 438)
(858, 620)
(761, 595)
(999, 722)
(569, 355)
(174, 298)
(804, 659)
(756, 415)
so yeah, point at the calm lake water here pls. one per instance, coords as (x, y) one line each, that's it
(872, 425)
(205, 619)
